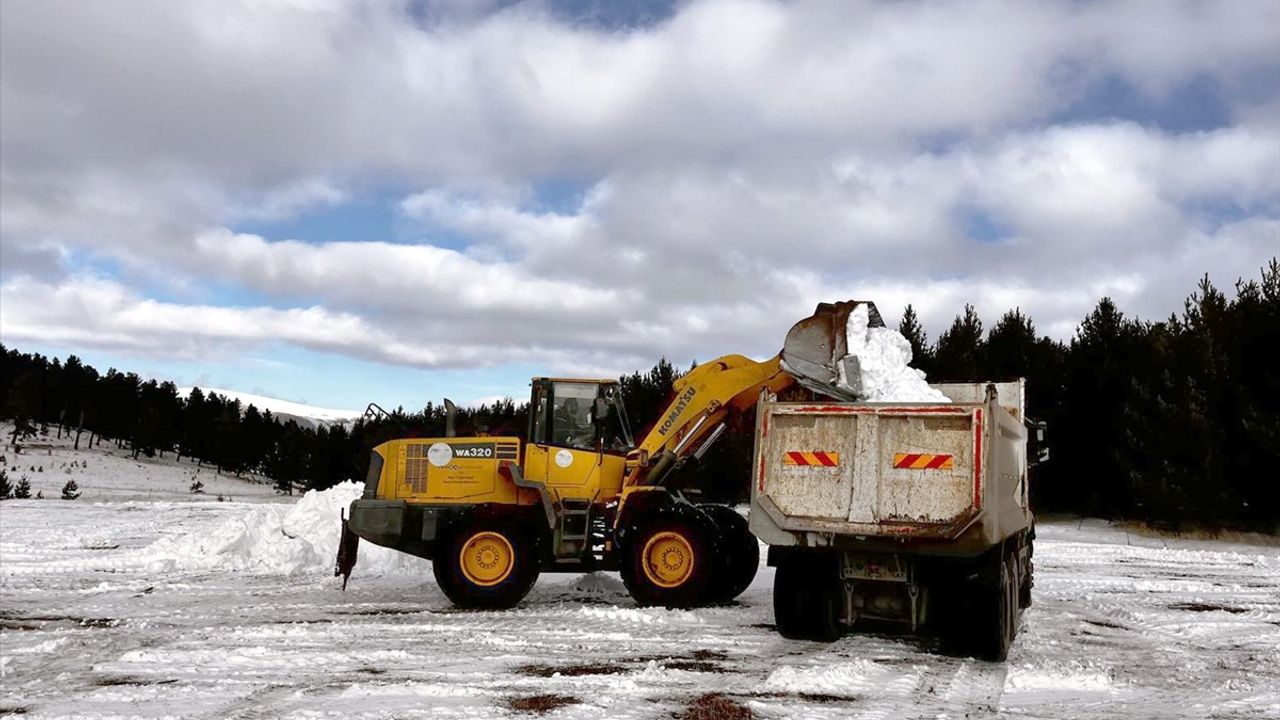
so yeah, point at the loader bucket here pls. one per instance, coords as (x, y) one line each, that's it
(816, 348)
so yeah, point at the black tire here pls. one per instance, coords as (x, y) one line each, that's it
(666, 544)
(738, 556)
(1028, 580)
(807, 599)
(476, 589)
(995, 621)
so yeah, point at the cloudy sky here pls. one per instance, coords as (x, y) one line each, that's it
(339, 201)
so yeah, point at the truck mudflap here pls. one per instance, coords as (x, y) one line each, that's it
(348, 551)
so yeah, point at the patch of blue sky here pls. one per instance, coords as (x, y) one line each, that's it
(981, 225)
(559, 195)
(339, 381)
(1218, 211)
(603, 14)
(80, 262)
(320, 379)
(1200, 103)
(373, 217)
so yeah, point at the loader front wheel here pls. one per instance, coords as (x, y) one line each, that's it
(667, 564)
(738, 557)
(486, 565)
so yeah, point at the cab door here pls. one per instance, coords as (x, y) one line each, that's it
(562, 444)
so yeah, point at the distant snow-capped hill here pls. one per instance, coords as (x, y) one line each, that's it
(284, 410)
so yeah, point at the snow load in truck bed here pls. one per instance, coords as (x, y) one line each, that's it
(884, 359)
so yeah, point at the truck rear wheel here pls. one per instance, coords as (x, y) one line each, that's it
(738, 556)
(997, 614)
(486, 565)
(667, 563)
(807, 599)
(1028, 580)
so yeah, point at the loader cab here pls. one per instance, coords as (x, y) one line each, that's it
(586, 415)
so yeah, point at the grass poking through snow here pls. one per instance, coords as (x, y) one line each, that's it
(540, 704)
(715, 706)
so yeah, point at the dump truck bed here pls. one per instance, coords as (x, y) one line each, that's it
(948, 475)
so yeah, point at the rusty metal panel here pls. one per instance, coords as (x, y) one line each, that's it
(802, 490)
(937, 492)
(1011, 396)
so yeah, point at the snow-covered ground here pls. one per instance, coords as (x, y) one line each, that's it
(158, 604)
(107, 473)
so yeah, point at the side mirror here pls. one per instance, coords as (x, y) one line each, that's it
(1039, 450)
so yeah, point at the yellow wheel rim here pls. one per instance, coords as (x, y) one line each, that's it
(486, 558)
(668, 559)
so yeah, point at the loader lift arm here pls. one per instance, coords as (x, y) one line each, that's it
(703, 400)
(815, 354)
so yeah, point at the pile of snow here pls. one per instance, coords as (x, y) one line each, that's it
(274, 539)
(884, 359)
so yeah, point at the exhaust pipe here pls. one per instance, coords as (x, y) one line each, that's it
(450, 414)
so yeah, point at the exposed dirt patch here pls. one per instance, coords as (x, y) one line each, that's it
(763, 626)
(704, 661)
(540, 704)
(709, 655)
(700, 666)
(10, 621)
(1105, 624)
(546, 671)
(890, 660)
(715, 706)
(383, 611)
(118, 680)
(807, 697)
(1207, 607)
(13, 710)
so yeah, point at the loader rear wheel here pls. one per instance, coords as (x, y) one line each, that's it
(807, 599)
(738, 556)
(667, 564)
(486, 565)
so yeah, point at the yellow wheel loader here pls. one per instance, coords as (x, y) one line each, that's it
(579, 493)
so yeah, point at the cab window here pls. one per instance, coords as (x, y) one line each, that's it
(571, 424)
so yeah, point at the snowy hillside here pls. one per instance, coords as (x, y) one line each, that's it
(110, 474)
(157, 603)
(304, 415)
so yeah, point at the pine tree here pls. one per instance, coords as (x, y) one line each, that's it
(921, 352)
(1010, 347)
(23, 489)
(6, 487)
(71, 490)
(959, 354)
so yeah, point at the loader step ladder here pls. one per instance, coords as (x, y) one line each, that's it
(573, 525)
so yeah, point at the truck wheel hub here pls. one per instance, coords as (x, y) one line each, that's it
(486, 558)
(668, 559)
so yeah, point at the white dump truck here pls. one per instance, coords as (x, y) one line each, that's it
(911, 513)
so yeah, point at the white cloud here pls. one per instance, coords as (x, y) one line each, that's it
(740, 162)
